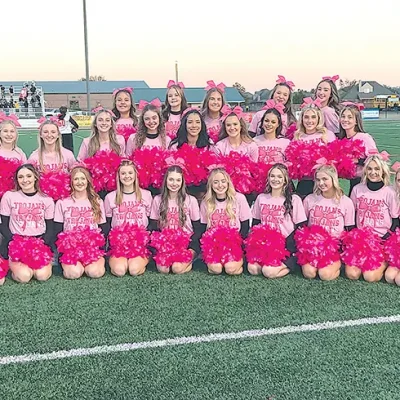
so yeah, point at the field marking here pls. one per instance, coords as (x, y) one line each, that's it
(213, 337)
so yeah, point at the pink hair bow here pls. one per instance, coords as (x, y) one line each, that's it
(154, 102)
(226, 111)
(172, 161)
(188, 110)
(41, 120)
(12, 117)
(102, 109)
(215, 166)
(309, 101)
(125, 89)
(333, 78)
(171, 82)
(360, 106)
(384, 154)
(321, 162)
(282, 79)
(211, 85)
(396, 166)
(273, 104)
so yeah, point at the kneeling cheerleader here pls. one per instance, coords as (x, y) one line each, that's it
(224, 215)
(80, 224)
(277, 214)
(27, 227)
(127, 210)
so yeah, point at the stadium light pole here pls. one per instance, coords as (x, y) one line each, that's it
(86, 55)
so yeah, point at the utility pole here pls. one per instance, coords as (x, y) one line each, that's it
(86, 55)
(176, 72)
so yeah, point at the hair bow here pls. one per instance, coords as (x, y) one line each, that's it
(154, 102)
(12, 118)
(211, 85)
(396, 166)
(99, 109)
(360, 106)
(309, 101)
(282, 79)
(172, 161)
(188, 110)
(215, 166)
(333, 78)
(273, 104)
(384, 154)
(321, 162)
(171, 82)
(227, 111)
(124, 89)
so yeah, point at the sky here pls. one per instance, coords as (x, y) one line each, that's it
(250, 43)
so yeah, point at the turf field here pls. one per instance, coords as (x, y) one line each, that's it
(107, 339)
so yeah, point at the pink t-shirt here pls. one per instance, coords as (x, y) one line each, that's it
(330, 214)
(27, 213)
(375, 209)
(219, 217)
(331, 119)
(83, 151)
(271, 151)
(173, 124)
(317, 137)
(51, 162)
(247, 149)
(77, 212)
(271, 211)
(149, 143)
(16, 154)
(125, 124)
(191, 209)
(254, 125)
(130, 211)
(213, 127)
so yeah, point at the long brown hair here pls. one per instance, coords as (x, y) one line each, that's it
(35, 173)
(140, 136)
(334, 98)
(288, 106)
(204, 106)
(167, 107)
(356, 113)
(244, 133)
(136, 188)
(42, 145)
(132, 110)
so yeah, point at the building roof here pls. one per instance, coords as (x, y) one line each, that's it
(377, 89)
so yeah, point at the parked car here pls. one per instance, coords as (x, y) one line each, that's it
(56, 111)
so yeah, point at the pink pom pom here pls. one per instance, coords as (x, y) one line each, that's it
(362, 249)
(266, 246)
(103, 167)
(126, 131)
(213, 133)
(80, 245)
(171, 128)
(30, 250)
(261, 175)
(7, 173)
(55, 184)
(392, 249)
(171, 246)
(221, 245)
(316, 246)
(290, 131)
(3, 268)
(129, 241)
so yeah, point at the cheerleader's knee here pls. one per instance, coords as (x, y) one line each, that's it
(2, 280)
(118, 266)
(234, 267)
(353, 273)
(181, 268)
(72, 271)
(137, 265)
(275, 272)
(391, 274)
(215, 268)
(44, 273)
(254, 268)
(309, 272)
(96, 270)
(20, 272)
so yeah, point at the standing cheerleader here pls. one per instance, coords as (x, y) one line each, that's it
(376, 208)
(328, 95)
(174, 209)
(82, 210)
(128, 205)
(50, 155)
(223, 207)
(103, 137)
(330, 208)
(175, 105)
(151, 132)
(282, 211)
(9, 140)
(351, 128)
(211, 108)
(281, 93)
(27, 218)
(234, 135)
(124, 111)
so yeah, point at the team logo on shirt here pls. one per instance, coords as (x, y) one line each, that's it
(370, 211)
(130, 211)
(270, 155)
(172, 127)
(272, 215)
(30, 215)
(325, 216)
(220, 218)
(80, 216)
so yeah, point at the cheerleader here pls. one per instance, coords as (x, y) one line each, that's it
(174, 209)
(223, 207)
(128, 205)
(234, 135)
(351, 128)
(50, 155)
(83, 209)
(151, 132)
(125, 112)
(103, 137)
(282, 211)
(327, 93)
(175, 105)
(330, 208)
(376, 208)
(27, 213)
(211, 108)
(9, 139)
(281, 93)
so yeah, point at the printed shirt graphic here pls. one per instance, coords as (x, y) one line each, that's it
(271, 151)
(213, 127)
(74, 213)
(51, 162)
(330, 214)
(17, 154)
(27, 213)
(173, 124)
(130, 211)
(271, 211)
(125, 124)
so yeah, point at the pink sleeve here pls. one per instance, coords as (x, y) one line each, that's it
(331, 119)
(256, 213)
(299, 214)
(147, 199)
(194, 209)
(130, 145)
(155, 208)
(83, 151)
(167, 141)
(306, 205)
(121, 142)
(393, 204)
(23, 155)
(369, 144)
(349, 214)
(353, 196)
(58, 213)
(244, 208)
(331, 136)
(219, 147)
(107, 205)
(103, 213)
(33, 158)
(253, 152)
(70, 160)
(203, 212)
(5, 205)
(49, 210)
(254, 122)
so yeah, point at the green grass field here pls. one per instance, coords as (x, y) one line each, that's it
(354, 362)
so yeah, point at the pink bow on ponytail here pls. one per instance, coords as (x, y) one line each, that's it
(273, 104)
(172, 161)
(211, 85)
(282, 79)
(226, 111)
(154, 102)
(125, 89)
(396, 166)
(333, 78)
(360, 106)
(12, 118)
(171, 82)
(384, 154)
(321, 162)
(309, 101)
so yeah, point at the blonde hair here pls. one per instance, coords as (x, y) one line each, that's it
(8, 122)
(244, 133)
(210, 197)
(356, 113)
(42, 145)
(383, 166)
(331, 171)
(136, 188)
(396, 186)
(301, 129)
